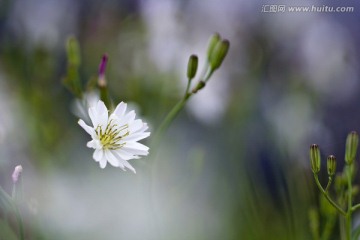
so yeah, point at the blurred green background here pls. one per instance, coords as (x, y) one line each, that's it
(234, 164)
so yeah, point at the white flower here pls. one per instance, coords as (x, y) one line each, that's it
(115, 137)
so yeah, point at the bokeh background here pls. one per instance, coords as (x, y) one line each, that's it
(234, 164)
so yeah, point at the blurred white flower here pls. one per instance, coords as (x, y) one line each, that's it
(79, 107)
(115, 137)
(16, 174)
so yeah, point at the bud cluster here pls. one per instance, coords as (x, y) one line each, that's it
(315, 161)
(352, 142)
(216, 53)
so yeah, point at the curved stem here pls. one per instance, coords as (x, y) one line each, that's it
(328, 184)
(169, 118)
(326, 195)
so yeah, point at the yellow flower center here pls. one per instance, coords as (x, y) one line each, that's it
(112, 135)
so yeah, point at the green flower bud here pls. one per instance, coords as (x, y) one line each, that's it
(352, 142)
(315, 159)
(331, 165)
(218, 54)
(72, 79)
(214, 40)
(73, 52)
(200, 85)
(192, 67)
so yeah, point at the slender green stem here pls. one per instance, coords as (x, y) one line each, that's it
(208, 75)
(187, 88)
(169, 118)
(205, 70)
(326, 195)
(349, 209)
(355, 207)
(105, 97)
(342, 228)
(155, 143)
(328, 184)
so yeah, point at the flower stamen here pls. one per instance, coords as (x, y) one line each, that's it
(112, 135)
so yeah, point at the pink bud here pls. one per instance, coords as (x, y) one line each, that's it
(102, 68)
(16, 174)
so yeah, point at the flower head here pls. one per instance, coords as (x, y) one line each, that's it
(16, 174)
(102, 68)
(115, 137)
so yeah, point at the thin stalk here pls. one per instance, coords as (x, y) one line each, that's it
(154, 145)
(349, 209)
(187, 88)
(169, 118)
(326, 195)
(342, 228)
(355, 207)
(328, 184)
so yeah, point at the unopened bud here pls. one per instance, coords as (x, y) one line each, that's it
(192, 66)
(331, 165)
(315, 159)
(200, 85)
(214, 40)
(352, 142)
(102, 68)
(16, 174)
(73, 51)
(219, 53)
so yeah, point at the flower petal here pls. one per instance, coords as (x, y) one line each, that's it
(98, 155)
(86, 127)
(136, 136)
(103, 162)
(136, 146)
(99, 114)
(124, 154)
(129, 166)
(103, 114)
(135, 126)
(111, 158)
(120, 109)
(93, 116)
(128, 118)
(135, 152)
(144, 128)
(124, 162)
(92, 144)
